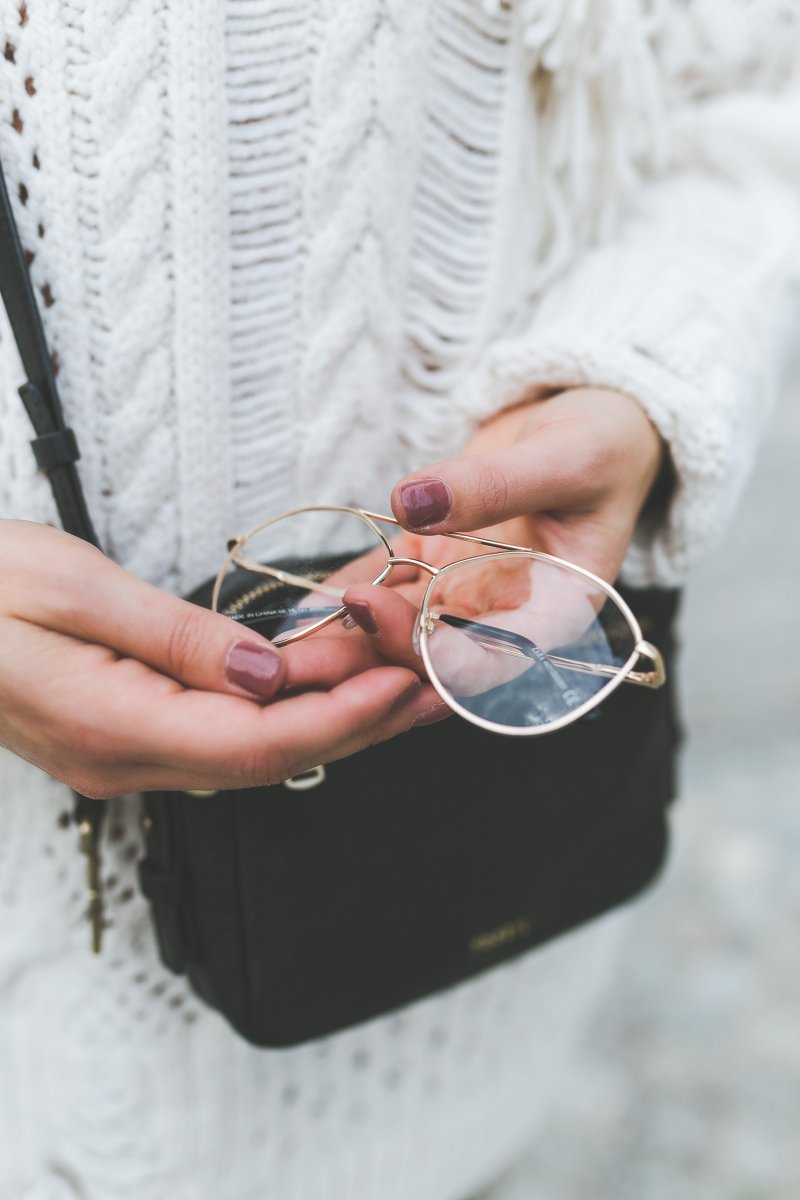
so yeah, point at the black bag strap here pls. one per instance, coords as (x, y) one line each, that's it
(55, 448)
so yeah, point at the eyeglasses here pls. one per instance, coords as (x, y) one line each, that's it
(513, 639)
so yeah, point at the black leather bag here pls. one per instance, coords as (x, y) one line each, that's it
(411, 866)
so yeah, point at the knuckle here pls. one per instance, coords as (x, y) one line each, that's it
(264, 767)
(183, 641)
(493, 489)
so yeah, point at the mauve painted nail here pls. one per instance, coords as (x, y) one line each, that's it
(363, 616)
(253, 667)
(425, 502)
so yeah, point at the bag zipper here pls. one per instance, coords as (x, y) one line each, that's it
(236, 607)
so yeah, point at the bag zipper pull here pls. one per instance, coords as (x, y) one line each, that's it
(90, 846)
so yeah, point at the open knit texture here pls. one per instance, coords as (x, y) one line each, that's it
(287, 250)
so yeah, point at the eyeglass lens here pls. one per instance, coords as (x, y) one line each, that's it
(520, 642)
(325, 547)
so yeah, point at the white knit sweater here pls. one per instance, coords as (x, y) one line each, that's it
(288, 250)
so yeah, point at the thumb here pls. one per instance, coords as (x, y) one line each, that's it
(538, 474)
(90, 597)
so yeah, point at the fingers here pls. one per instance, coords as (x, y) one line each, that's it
(464, 664)
(389, 620)
(334, 654)
(563, 454)
(261, 746)
(111, 686)
(98, 721)
(482, 490)
(420, 705)
(90, 597)
(327, 659)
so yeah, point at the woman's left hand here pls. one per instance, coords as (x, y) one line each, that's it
(567, 473)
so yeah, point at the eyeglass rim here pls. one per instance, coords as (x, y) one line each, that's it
(569, 718)
(370, 518)
(502, 549)
(235, 542)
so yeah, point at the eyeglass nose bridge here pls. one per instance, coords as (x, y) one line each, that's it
(414, 562)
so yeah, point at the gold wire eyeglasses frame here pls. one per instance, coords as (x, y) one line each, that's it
(488, 636)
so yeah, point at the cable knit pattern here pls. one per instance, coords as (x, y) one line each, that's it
(457, 191)
(268, 92)
(362, 140)
(115, 78)
(285, 252)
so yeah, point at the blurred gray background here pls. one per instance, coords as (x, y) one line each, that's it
(687, 1086)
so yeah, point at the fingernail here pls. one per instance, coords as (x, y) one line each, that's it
(348, 623)
(432, 715)
(253, 667)
(363, 616)
(425, 502)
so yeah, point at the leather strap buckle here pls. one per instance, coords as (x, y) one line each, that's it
(57, 449)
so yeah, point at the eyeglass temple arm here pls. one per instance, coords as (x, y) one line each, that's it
(460, 537)
(298, 581)
(507, 642)
(274, 614)
(650, 679)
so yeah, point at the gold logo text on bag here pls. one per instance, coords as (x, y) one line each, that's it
(493, 939)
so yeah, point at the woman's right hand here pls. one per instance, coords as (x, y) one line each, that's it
(112, 686)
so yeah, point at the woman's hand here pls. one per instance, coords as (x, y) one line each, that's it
(568, 474)
(111, 685)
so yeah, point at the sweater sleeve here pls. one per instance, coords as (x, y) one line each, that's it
(688, 308)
